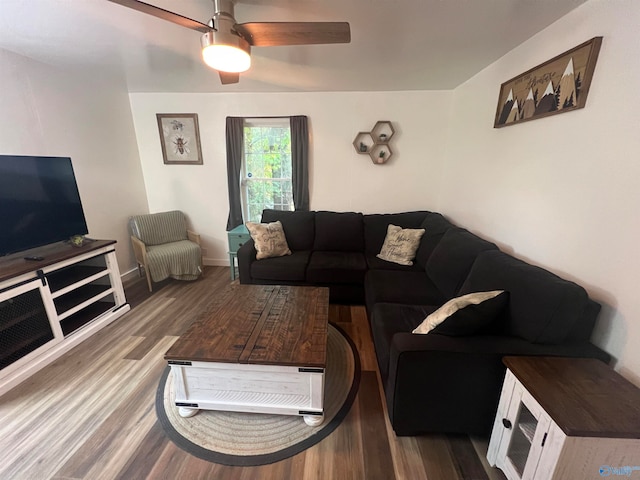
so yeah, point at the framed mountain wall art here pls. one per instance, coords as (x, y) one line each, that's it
(557, 86)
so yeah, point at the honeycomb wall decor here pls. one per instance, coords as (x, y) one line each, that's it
(376, 142)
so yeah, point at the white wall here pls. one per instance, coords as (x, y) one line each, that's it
(562, 191)
(49, 112)
(340, 179)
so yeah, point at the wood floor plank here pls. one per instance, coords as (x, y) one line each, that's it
(144, 458)
(125, 428)
(436, 453)
(58, 411)
(362, 338)
(174, 463)
(378, 462)
(91, 415)
(481, 445)
(340, 313)
(466, 459)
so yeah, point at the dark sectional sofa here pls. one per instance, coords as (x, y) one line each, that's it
(433, 382)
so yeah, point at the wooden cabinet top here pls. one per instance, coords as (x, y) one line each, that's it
(15, 264)
(584, 397)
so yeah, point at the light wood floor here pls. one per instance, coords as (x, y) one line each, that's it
(91, 414)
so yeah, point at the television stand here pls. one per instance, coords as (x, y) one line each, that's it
(53, 301)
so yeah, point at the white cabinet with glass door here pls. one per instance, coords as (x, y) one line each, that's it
(565, 418)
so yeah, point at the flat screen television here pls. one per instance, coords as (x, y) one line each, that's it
(39, 202)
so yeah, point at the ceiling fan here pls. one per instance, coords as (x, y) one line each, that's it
(226, 45)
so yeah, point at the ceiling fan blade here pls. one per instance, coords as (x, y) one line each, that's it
(164, 14)
(269, 34)
(227, 77)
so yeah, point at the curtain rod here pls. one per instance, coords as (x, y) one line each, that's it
(268, 117)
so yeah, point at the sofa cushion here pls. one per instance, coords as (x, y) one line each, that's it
(181, 260)
(435, 226)
(387, 319)
(299, 227)
(375, 226)
(269, 239)
(452, 258)
(374, 263)
(392, 286)
(465, 315)
(336, 267)
(543, 308)
(290, 268)
(339, 232)
(400, 244)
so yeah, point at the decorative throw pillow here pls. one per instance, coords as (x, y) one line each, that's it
(465, 315)
(400, 244)
(269, 239)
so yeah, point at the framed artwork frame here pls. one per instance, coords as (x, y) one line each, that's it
(557, 86)
(180, 138)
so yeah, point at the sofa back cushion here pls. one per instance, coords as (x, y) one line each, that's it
(435, 226)
(543, 308)
(299, 227)
(375, 227)
(339, 232)
(451, 259)
(159, 228)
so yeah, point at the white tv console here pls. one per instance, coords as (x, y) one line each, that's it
(51, 304)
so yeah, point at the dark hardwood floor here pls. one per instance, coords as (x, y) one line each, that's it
(91, 413)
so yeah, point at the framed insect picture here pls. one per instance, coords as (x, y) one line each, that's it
(180, 138)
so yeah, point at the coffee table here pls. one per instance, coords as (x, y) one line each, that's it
(259, 348)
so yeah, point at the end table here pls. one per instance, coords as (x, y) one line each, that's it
(565, 418)
(237, 237)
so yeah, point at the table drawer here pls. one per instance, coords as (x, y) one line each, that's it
(237, 240)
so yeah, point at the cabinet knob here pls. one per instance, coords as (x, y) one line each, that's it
(506, 422)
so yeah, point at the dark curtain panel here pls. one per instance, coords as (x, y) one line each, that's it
(235, 147)
(300, 162)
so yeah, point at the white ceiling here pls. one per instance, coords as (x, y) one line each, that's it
(395, 44)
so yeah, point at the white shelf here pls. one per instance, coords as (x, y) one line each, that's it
(77, 294)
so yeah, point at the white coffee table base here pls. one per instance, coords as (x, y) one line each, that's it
(234, 387)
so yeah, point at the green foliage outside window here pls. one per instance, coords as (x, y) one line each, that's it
(267, 150)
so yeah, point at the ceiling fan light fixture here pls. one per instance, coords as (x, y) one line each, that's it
(226, 52)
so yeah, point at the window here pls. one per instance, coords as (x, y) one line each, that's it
(283, 181)
(266, 167)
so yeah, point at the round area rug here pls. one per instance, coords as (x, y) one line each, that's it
(250, 439)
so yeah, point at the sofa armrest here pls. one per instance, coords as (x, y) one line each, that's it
(140, 253)
(139, 250)
(497, 344)
(194, 237)
(246, 256)
(447, 384)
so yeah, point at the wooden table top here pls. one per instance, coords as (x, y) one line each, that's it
(260, 324)
(584, 396)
